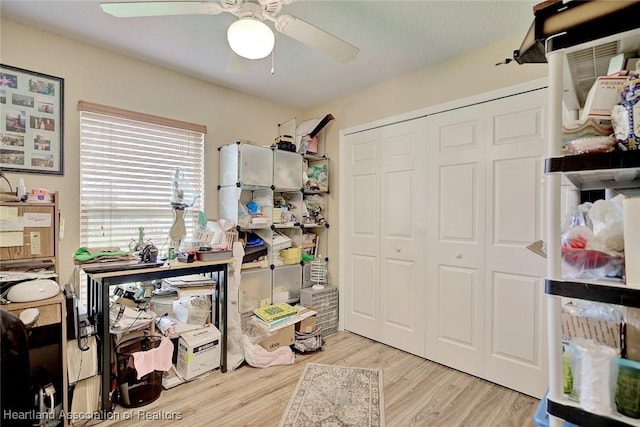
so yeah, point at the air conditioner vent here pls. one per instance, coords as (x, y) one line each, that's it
(587, 64)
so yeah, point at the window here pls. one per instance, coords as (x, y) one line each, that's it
(126, 160)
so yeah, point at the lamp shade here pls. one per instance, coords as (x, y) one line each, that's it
(250, 38)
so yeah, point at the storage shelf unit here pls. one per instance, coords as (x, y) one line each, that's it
(278, 178)
(615, 170)
(318, 190)
(615, 293)
(586, 172)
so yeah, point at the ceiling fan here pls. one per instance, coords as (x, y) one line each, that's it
(249, 36)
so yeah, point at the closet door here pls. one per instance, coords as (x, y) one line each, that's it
(515, 324)
(403, 233)
(384, 234)
(456, 239)
(361, 256)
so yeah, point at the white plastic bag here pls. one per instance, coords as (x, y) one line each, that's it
(608, 230)
(258, 357)
(596, 372)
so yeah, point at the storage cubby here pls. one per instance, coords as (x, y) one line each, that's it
(285, 224)
(255, 289)
(287, 170)
(287, 282)
(243, 164)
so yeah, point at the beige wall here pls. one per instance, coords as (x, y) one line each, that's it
(460, 77)
(99, 76)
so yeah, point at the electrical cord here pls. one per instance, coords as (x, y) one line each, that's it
(140, 311)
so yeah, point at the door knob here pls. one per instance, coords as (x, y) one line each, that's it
(458, 255)
(398, 249)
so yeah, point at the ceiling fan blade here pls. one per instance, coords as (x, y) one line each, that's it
(237, 64)
(161, 8)
(316, 38)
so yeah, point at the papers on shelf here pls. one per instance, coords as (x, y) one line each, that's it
(19, 276)
(189, 280)
(191, 285)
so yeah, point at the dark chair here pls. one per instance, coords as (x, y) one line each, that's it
(16, 399)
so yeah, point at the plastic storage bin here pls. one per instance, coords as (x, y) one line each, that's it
(289, 278)
(291, 255)
(287, 170)
(192, 310)
(255, 289)
(246, 164)
(137, 392)
(541, 418)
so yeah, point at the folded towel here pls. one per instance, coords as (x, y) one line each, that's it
(156, 359)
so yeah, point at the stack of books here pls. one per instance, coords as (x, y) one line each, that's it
(275, 314)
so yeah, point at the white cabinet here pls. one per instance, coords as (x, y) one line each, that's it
(597, 170)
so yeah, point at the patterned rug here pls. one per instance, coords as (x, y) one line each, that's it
(328, 395)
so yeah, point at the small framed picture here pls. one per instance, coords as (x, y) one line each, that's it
(31, 121)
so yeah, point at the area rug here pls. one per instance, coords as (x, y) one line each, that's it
(328, 395)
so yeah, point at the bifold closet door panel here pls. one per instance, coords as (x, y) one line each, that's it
(361, 256)
(515, 323)
(403, 235)
(456, 238)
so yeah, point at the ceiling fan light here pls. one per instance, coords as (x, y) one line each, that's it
(250, 38)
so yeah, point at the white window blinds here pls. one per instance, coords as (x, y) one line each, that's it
(126, 159)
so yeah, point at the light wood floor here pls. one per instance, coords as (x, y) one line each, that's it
(417, 392)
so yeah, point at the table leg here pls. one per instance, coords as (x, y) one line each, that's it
(223, 299)
(105, 363)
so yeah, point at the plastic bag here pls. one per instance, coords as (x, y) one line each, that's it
(591, 241)
(606, 216)
(595, 370)
(258, 357)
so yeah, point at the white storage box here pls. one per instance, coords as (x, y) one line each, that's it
(289, 279)
(254, 290)
(163, 305)
(246, 164)
(287, 170)
(198, 352)
(192, 310)
(604, 94)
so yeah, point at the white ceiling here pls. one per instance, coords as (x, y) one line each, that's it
(395, 37)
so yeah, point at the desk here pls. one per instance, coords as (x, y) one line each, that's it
(53, 311)
(98, 305)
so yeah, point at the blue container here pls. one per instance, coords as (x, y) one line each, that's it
(541, 418)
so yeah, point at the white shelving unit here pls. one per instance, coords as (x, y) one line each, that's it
(603, 170)
(314, 229)
(314, 189)
(274, 178)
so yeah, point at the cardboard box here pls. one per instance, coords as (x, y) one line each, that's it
(604, 94)
(632, 333)
(198, 352)
(284, 336)
(601, 331)
(307, 325)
